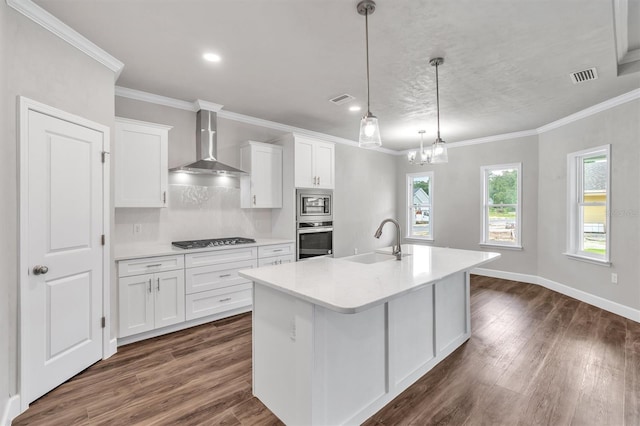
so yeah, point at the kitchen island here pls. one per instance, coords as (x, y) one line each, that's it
(334, 340)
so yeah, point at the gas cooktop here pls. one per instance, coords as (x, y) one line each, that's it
(214, 242)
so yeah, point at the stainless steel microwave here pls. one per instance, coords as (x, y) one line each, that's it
(314, 205)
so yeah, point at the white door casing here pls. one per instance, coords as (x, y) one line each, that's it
(63, 206)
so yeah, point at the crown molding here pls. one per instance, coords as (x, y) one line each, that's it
(152, 98)
(200, 104)
(139, 95)
(602, 106)
(209, 106)
(49, 22)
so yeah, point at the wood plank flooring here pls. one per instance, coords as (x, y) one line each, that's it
(535, 357)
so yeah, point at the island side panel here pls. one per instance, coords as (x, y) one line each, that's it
(411, 336)
(283, 354)
(452, 308)
(351, 370)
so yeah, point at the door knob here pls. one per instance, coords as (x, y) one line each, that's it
(40, 270)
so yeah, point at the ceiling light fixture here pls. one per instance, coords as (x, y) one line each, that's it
(439, 148)
(369, 130)
(211, 57)
(425, 156)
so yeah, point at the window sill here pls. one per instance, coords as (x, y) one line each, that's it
(600, 262)
(418, 240)
(502, 246)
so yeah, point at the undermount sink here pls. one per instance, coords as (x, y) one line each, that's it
(369, 258)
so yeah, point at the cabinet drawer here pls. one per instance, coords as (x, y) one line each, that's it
(220, 256)
(149, 265)
(275, 250)
(276, 260)
(212, 277)
(212, 302)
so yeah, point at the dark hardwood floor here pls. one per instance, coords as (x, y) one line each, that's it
(535, 358)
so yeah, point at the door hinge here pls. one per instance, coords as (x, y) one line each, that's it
(104, 322)
(103, 239)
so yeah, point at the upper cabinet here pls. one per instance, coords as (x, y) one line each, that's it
(314, 163)
(263, 187)
(141, 165)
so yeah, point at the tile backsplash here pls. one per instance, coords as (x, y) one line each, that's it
(199, 206)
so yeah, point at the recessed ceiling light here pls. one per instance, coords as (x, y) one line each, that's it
(211, 57)
(354, 108)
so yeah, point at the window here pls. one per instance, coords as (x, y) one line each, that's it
(501, 187)
(588, 204)
(420, 201)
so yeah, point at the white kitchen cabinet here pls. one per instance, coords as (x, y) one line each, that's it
(263, 187)
(213, 285)
(276, 254)
(151, 300)
(314, 163)
(141, 164)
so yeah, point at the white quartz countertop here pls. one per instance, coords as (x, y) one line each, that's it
(136, 251)
(345, 286)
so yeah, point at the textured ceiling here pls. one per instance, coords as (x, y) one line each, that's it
(507, 62)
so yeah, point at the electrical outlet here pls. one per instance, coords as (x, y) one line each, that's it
(355, 251)
(614, 278)
(137, 228)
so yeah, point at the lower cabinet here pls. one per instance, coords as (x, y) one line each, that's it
(215, 286)
(162, 291)
(151, 301)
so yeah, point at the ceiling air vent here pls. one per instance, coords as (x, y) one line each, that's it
(585, 75)
(342, 99)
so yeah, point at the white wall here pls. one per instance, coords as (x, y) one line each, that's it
(40, 66)
(457, 198)
(364, 196)
(7, 217)
(620, 127)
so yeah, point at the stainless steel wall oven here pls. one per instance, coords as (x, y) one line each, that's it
(314, 224)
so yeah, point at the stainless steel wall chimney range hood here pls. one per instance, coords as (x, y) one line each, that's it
(206, 149)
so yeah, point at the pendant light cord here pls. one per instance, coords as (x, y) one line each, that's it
(438, 101)
(366, 29)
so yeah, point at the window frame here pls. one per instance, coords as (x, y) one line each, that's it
(409, 203)
(575, 193)
(484, 228)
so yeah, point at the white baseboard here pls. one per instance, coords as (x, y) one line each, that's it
(10, 411)
(513, 276)
(597, 301)
(112, 349)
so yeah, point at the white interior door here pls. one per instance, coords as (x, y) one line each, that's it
(63, 293)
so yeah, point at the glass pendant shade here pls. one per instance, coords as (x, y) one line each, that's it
(440, 154)
(411, 157)
(369, 132)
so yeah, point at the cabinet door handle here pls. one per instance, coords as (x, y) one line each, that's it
(164, 197)
(254, 200)
(154, 264)
(277, 250)
(224, 276)
(149, 285)
(226, 299)
(318, 180)
(158, 284)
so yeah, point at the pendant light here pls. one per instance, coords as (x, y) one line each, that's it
(369, 130)
(425, 156)
(439, 148)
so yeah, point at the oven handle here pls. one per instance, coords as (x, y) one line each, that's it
(314, 230)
